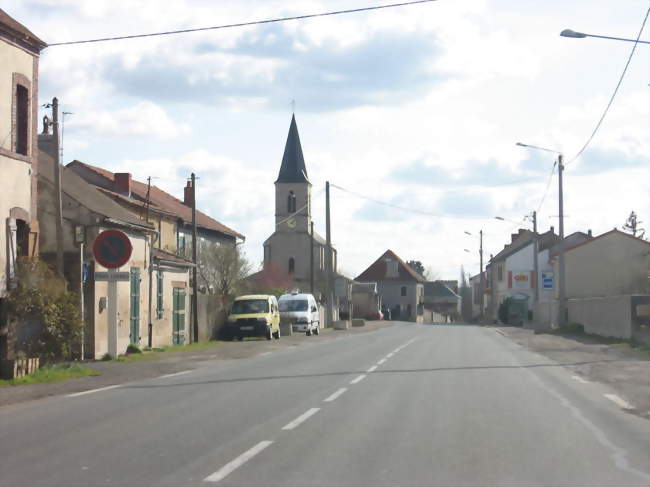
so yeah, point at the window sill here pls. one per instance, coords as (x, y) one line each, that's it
(15, 155)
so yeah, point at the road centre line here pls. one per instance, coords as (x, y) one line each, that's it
(618, 401)
(175, 374)
(91, 391)
(358, 379)
(300, 419)
(579, 379)
(390, 354)
(335, 396)
(230, 467)
(372, 369)
(382, 361)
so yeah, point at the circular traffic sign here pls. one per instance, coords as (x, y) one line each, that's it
(112, 249)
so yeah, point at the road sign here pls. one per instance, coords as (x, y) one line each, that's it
(547, 280)
(112, 276)
(112, 249)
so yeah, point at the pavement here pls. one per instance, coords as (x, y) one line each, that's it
(595, 359)
(405, 405)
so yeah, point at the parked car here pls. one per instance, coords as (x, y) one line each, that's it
(255, 315)
(300, 310)
(375, 315)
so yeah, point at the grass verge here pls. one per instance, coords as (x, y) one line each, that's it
(156, 353)
(52, 373)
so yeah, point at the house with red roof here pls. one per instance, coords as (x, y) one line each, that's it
(400, 287)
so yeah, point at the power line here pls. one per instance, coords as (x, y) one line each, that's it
(548, 186)
(618, 85)
(245, 24)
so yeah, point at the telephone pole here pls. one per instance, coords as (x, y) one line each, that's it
(561, 319)
(57, 188)
(482, 277)
(329, 304)
(195, 290)
(535, 262)
(151, 244)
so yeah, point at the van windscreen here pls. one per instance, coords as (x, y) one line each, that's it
(249, 306)
(293, 305)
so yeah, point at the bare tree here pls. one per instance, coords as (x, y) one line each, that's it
(222, 268)
(632, 225)
(431, 274)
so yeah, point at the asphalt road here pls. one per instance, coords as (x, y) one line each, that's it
(408, 405)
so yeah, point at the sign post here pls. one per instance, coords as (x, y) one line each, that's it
(112, 249)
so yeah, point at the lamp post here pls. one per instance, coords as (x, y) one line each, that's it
(561, 313)
(481, 276)
(581, 35)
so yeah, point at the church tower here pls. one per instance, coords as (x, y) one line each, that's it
(292, 188)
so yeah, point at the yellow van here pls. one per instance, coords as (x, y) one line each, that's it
(255, 315)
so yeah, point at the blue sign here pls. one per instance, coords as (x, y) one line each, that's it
(548, 280)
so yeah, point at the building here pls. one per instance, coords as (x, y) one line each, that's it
(441, 303)
(366, 302)
(400, 287)
(289, 248)
(19, 57)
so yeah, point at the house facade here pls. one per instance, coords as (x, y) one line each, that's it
(400, 287)
(289, 248)
(19, 57)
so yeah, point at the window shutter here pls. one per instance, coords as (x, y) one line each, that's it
(509, 279)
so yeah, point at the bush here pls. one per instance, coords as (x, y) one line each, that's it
(41, 296)
(503, 312)
(133, 348)
(106, 357)
(572, 329)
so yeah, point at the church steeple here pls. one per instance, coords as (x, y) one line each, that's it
(293, 168)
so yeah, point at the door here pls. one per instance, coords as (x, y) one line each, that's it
(134, 335)
(178, 320)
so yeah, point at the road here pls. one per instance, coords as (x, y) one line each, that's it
(407, 405)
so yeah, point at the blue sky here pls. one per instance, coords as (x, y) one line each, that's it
(418, 106)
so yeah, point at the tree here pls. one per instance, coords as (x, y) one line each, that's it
(417, 266)
(632, 225)
(222, 268)
(270, 280)
(431, 274)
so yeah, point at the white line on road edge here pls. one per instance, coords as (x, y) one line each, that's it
(83, 393)
(579, 379)
(372, 369)
(296, 422)
(382, 361)
(175, 374)
(335, 396)
(228, 468)
(500, 332)
(358, 379)
(620, 402)
(390, 354)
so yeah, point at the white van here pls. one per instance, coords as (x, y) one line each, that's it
(300, 310)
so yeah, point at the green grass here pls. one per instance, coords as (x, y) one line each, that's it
(52, 373)
(155, 353)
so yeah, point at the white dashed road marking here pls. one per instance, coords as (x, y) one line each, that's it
(83, 393)
(334, 396)
(382, 361)
(300, 419)
(390, 354)
(372, 369)
(176, 374)
(579, 379)
(618, 401)
(230, 467)
(358, 379)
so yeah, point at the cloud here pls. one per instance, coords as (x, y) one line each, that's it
(466, 204)
(143, 119)
(597, 160)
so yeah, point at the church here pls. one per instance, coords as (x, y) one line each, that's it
(289, 248)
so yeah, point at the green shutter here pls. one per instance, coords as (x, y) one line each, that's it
(134, 335)
(159, 296)
(178, 337)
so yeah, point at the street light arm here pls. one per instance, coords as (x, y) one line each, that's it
(581, 35)
(537, 147)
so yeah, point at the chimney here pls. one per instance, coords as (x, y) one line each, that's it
(123, 182)
(552, 229)
(187, 196)
(589, 233)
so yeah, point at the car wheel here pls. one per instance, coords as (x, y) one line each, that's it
(308, 332)
(269, 335)
(276, 335)
(317, 329)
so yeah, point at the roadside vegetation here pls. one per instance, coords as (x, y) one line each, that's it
(135, 354)
(52, 373)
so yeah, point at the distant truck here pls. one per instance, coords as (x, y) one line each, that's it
(300, 311)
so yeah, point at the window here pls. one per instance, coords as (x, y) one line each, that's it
(159, 296)
(22, 119)
(404, 291)
(292, 265)
(181, 244)
(500, 273)
(291, 202)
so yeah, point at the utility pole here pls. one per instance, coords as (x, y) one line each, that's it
(146, 217)
(482, 277)
(311, 260)
(561, 278)
(328, 259)
(535, 262)
(57, 188)
(195, 290)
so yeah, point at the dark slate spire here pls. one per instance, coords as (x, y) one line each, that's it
(293, 168)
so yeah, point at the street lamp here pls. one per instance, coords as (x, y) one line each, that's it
(581, 35)
(561, 278)
(481, 277)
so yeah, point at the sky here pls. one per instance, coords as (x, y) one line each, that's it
(419, 107)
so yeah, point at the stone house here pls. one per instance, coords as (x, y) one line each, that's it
(441, 303)
(400, 287)
(19, 57)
